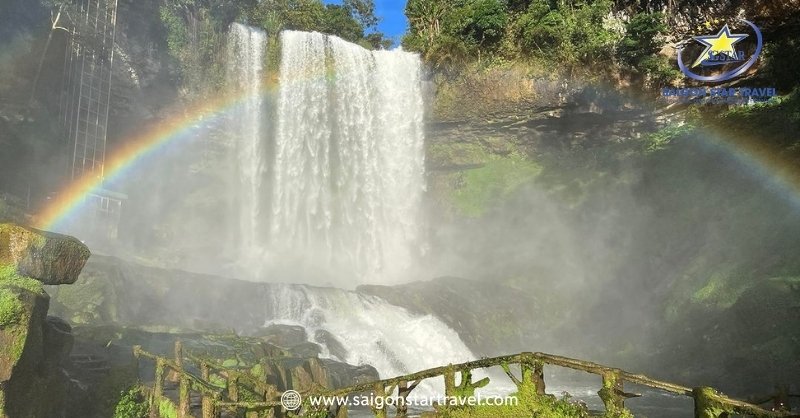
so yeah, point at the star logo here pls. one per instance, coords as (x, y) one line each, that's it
(719, 47)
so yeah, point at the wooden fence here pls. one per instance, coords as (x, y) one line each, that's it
(220, 387)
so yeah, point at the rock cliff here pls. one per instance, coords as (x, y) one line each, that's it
(35, 347)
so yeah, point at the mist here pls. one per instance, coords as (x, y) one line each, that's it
(308, 188)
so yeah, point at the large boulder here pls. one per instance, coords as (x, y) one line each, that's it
(32, 351)
(50, 258)
(34, 347)
(490, 317)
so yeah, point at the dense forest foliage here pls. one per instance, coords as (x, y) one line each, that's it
(195, 30)
(570, 33)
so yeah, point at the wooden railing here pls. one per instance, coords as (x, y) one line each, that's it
(708, 403)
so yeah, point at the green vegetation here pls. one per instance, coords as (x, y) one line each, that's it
(529, 404)
(662, 138)
(167, 409)
(10, 278)
(774, 123)
(481, 187)
(574, 32)
(571, 34)
(640, 45)
(132, 404)
(11, 308)
(196, 32)
(780, 56)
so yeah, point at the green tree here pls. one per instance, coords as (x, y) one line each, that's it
(641, 37)
(363, 11)
(640, 46)
(542, 28)
(484, 21)
(377, 40)
(338, 21)
(425, 19)
(277, 15)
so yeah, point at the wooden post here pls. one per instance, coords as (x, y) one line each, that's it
(136, 350)
(210, 407)
(538, 377)
(207, 403)
(341, 411)
(379, 390)
(153, 407)
(403, 390)
(179, 354)
(184, 410)
(708, 405)
(233, 387)
(158, 388)
(612, 391)
(449, 381)
(158, 385)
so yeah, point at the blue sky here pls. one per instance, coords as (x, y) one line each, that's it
(392, 14)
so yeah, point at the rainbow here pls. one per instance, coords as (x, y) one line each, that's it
(761, 161)
(136, 148)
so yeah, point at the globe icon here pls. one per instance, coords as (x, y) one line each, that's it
(291, 400)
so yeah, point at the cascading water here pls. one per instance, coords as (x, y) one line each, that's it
(373, 332)
(343, 178)
(246, 48)
(348, 175)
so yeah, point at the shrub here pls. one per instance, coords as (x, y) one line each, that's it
(641, 37)
(132, 404)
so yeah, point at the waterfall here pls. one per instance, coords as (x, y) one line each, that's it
(246, 47)
(348, 173)
(337, 183)
(373, 332)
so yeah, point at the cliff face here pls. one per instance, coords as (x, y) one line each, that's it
(35, 347)
(685, 15)
(667, 243)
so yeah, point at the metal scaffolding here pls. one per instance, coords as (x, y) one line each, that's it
(85, 105)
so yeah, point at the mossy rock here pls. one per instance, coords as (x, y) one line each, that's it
(481, 187)
(30, 382)
(18, 307)
(454, 156)
(50, 258)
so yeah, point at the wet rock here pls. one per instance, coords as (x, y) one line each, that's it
(331, 343)
(306, 349)
(343, 375)
(52, 259)
(283, 335)
(58, 340)
(470, 308)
